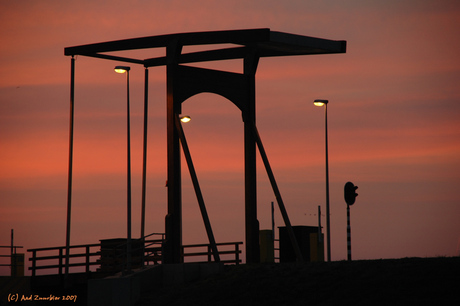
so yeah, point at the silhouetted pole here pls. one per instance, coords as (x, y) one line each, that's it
(320, 239)
(320, 102)
(173, 222)
(350, 198)
(328, 211)
(273, 221)
(12, 260)
(250, 168)
(348, 234)
(123, 69)
(129, 174)
(69, 180)
(144, 159)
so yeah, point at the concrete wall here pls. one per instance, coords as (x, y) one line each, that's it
(127, 290)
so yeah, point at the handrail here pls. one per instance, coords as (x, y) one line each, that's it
(162, 235)
(152, 250)
(60, 265)
(88, 256)
(236, 252)
(63, 247)
(9, 246)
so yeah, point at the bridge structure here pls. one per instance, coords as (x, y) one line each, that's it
(184, 81)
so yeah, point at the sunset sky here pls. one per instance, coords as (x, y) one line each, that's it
(393, 114)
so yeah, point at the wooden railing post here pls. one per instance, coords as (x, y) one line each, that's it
(237, 254)
(143, 252)
(87, 259)
(209, 253)
(34, 256)
(60, 261)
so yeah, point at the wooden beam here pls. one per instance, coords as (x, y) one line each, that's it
(192, 38)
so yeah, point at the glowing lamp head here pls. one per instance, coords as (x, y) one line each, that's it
(185, 119)
(320, 102)
(121, 69)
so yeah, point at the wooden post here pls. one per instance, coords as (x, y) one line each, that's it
(33, 259)
(87, 259)
(237, 253)
(250, 169)
(173, 220)
(209, 253)
(144, 157)
(60, 260)
(69, 179)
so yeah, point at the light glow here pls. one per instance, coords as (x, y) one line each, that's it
(320, 102)
(121, 69)
(185, 119)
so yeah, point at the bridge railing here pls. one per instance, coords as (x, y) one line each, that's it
(204, 250)
(54, 257)
(90, 258)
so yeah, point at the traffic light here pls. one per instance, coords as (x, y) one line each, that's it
(350, 193)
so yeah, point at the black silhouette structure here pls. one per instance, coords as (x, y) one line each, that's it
(184, 81)
(349, 191)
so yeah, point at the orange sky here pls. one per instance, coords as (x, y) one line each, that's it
(393, 116)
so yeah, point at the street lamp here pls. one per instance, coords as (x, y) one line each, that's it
(321, 102)
(123, 69)
(185, 119)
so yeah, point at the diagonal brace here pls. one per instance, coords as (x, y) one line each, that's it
(278, 196)
(198, 193)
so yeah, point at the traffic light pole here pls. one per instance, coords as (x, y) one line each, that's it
(348, 233)
(350, 195)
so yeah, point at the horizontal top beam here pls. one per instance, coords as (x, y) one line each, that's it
(185, 39)
(265, 41)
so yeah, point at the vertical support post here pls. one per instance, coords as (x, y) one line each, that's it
(273, 221)
(128, 244)
(328, 212)
(144, 159)
(60, 261)
(12, 257)
(69, 185)
(34, 262)
(348, 234)
(237, 254)
(209, 252)
(319, 224)
(173, 220)
(87, 259)
(143, 252)
(250, 169)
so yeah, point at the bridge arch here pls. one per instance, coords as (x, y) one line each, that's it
(212, 136)
(190, 81)
(184, 82)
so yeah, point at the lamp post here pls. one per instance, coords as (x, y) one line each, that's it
(321, 102)
(69, 178)
(123, 69)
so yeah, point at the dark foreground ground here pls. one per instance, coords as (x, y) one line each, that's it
(407, 281)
